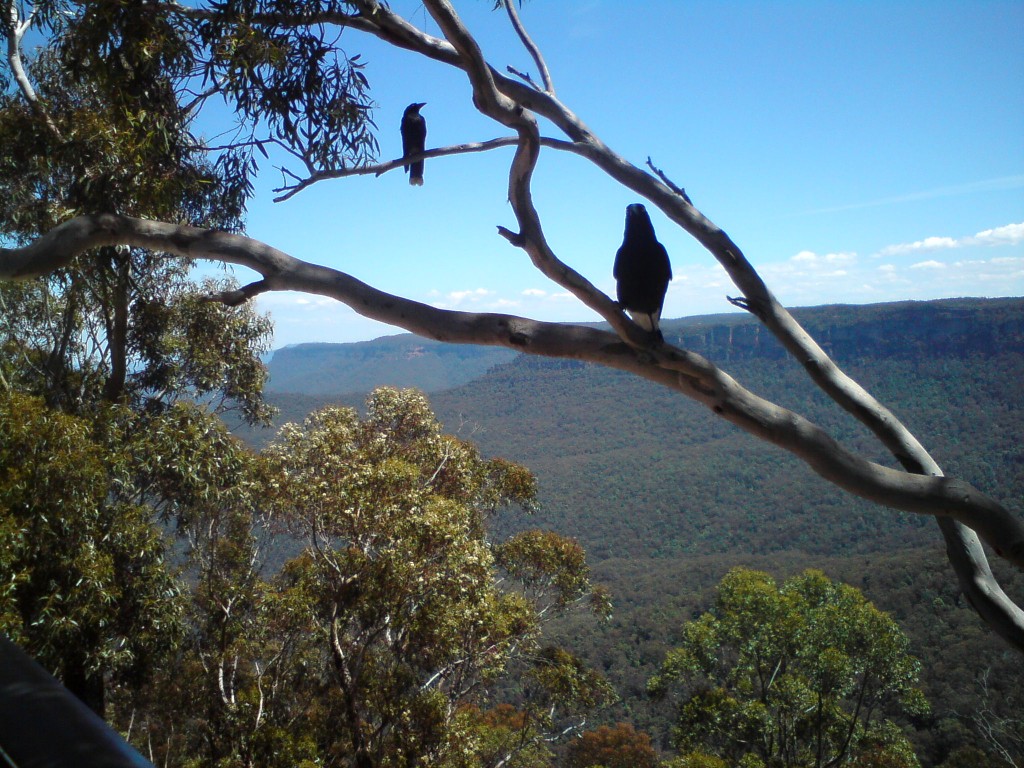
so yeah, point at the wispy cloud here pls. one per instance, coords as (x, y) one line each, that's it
(952, 190)
(928, 244)
(470, 296)
(810, 258)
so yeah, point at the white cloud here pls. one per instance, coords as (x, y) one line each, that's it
(1011, 234)
(475, 294)
(535, 292)
(928, 265)
(810, 258)
(279, 301)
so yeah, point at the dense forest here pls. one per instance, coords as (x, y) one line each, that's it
(666, 499)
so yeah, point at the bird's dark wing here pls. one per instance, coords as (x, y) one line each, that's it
(664, 269)
(622, 260)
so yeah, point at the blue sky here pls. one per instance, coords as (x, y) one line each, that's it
(856, 151)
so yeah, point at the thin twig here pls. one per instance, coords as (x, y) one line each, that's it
(668, 182)
(531, 47)
(524, 76)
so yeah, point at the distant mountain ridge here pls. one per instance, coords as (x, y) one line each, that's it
(403, 360)
(876, 330)
(632, 468)
(846, 331)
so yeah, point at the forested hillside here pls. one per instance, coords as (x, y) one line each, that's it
(635, 470)
(666, 498)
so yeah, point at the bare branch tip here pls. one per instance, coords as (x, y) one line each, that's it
(741, 302)
(668, 182)
(513, 237)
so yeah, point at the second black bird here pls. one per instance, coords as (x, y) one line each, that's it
(414, 140)
(642, 270)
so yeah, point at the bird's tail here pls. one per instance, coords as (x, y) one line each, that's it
(416, 174)
(646, 320)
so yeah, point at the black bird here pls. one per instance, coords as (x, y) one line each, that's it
(642, 270)
(414, 140)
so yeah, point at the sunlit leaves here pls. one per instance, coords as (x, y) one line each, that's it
(546, 564)
(85, 585)
(400, 570)
(385, 634)
(799, 675)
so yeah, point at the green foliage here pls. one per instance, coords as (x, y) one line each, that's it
(86, 585)
(695, 760)
(805, 674)
(312, 96)
(152, 68)
(107, 134)
(391, 636)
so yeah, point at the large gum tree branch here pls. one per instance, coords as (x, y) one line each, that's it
(963, 548)
(511, 103)
(679, 369)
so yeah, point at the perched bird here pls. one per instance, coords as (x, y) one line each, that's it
(414, 139)
(642, 270)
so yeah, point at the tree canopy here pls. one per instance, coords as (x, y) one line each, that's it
(380, 624)
(803, 674)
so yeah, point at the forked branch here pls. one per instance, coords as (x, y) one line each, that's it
(531, 47)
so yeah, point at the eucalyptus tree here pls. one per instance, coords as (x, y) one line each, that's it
(280, 66)
(396, 631)
(102, 364)
(86, 586)
(808, 673)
